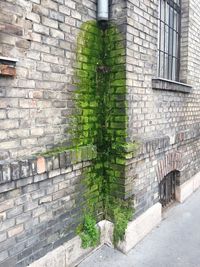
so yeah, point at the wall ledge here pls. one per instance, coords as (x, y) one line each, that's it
(168, 85)
(188, 188)
(70, 254)
(47, 164)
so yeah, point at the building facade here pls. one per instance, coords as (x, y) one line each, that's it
(41, 195)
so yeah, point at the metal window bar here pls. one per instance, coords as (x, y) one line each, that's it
(167, 189)
(169, 58)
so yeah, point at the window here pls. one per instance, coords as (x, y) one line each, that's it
(167, 188)
(169, 39)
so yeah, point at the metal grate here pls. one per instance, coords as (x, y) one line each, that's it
(169, 39)
(167, 189)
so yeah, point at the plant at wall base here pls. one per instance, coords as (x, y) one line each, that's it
(88, 232)
(120, 212)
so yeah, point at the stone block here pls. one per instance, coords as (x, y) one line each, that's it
(186, 189)
(140, 227)
(41, 165)
(5, 173)
(24, 169)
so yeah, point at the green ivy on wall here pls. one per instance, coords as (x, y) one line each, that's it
(101, 120)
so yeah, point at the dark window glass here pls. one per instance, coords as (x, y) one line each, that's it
(169, 39)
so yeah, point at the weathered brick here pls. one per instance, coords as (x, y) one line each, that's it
(9, 204)
(3, 255)
(57, 34)
(46, 216)
(49, 22)
(54, 173)
(14, 212)
(23, 218)
(7, 224)
(70, 4)
(41, 29)
(64, 9)
(25, 181)
(49, 4)
(45, 199)
(37, 212)
(38, 9)
(33, 17)
(30, 206)
(16, 230)
(56, 16)
(41, 165)
(2, 237)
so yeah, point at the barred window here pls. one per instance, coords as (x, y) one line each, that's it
(169, 39)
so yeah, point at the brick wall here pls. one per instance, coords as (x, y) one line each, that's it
(41, 203)
(41, 199)
(34, 105)
(169, 112)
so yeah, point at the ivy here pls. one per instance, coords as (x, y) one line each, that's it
(100, 119)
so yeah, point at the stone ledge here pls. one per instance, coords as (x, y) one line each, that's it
(168, 85)
(70, 254)
(185, 190)
(67, 255)
(45, 164)
(140, 227)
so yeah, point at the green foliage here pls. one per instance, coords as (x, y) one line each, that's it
(88, 231)
(98, 129)
(101, 120)
(120, 212)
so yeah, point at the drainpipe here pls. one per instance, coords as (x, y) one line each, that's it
(102, 10)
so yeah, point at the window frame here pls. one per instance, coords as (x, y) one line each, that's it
(171, 70)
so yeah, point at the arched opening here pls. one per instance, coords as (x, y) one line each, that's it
(167, 188)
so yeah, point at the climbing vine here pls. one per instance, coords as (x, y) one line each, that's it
(101, 120)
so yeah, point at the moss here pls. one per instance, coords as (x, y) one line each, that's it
(120, 212)
(101, 120)
(99, 130)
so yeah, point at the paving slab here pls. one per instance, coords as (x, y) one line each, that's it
(174, 243)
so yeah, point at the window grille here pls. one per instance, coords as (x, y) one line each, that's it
(167, 188)
(169, 39)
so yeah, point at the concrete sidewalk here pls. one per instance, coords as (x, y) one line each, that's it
(176, 242)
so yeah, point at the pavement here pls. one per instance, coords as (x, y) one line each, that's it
(174, 243)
